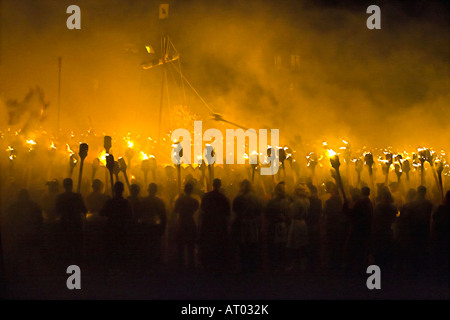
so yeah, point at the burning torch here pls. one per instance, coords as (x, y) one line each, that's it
(311, 158)
(177, 154)
(253, 159)
(110, 166)
(406, 167)
(123, 168)
(116, 170)
(439, 169)
(386, 165)
(12, 156)
(145, 167)
(83, 152)
(282, 158)
(107, 145)
(210, 159)
(424, 156)
(129, 153)
(335, 164)
(51, 157)
(398, 166)
(368, 159)
(358, 168)
(73, 160)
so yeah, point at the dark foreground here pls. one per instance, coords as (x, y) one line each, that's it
(176, 285)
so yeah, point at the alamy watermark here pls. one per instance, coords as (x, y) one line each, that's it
(267, 156)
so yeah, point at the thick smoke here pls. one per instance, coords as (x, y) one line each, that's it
(385, 87)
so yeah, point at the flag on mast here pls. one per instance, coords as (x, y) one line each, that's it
(164, 11)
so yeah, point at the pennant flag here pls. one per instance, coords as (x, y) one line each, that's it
(164, 11)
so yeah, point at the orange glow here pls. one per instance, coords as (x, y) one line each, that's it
(102, 158)
(330, 153)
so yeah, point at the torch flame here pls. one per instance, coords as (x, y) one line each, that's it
(69, 150)
(144, 156)
(102, 158)
(331, 153)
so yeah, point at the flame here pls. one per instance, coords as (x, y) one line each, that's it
(11, 156)
(53, 145)
(330, 153)
(102, 158)
(31, 142)
(130, 144)
(199, 160)
(69, 150)
(144, 156)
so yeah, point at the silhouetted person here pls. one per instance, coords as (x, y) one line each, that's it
(298, 231)
(24, 223)
(336, 226)
(403, 237)
(118, 213)
(441, 237)
(49, 202)
(71, 210)
(96, 199)
(186, 230)
(276, 215)
(246, 227)
(420, 230)
(94, 227)
(383, 238)
(153, 219)
(313, 223)
(51, 227)
(2, 268)
(135, 201)
(359, 240)
(215, 212)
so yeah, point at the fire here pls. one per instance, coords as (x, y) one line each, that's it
(31, 142)
(144, 155)
(102, 158)
(52, 146)
(130, 144)
(12, 155)
(330, 153)
(69, 150)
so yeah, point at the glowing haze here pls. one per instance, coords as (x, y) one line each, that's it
(385, 87)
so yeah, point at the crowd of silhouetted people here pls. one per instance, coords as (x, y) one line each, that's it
(289, 232)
